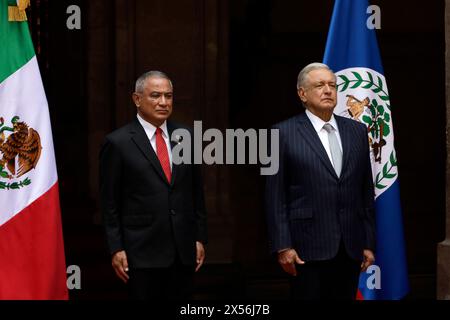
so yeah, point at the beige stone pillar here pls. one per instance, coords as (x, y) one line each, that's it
(443, 250)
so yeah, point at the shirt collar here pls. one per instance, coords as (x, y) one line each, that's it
(151, 129)
(318, 123)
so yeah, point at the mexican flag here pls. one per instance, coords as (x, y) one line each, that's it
(31, 243)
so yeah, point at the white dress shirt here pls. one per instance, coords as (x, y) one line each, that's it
(323, 134)
(150, 132)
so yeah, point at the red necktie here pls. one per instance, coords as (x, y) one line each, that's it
(163, 155)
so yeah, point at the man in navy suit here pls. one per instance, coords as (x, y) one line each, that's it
(320, 204)
(153, 209)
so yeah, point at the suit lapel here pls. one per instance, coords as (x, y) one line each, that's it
(141, 140)
(308, 132)
(346, 141)
(175, 167)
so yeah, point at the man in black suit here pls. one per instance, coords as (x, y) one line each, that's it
(320, 204)
(153, 209)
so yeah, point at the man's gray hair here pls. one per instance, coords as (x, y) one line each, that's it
(301, 79)
(140, 82)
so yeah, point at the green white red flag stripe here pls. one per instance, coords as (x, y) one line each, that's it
(31, 242)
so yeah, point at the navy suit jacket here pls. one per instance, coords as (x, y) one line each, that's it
(150, 218)
(309, 208)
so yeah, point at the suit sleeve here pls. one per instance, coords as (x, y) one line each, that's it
(199, 205)
(368, 196)
(199, 198)
(276, 208)
(110, 181)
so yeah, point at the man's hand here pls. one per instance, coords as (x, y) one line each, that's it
(120, 264)
(287, 259)
(369, 259)
(200, 255)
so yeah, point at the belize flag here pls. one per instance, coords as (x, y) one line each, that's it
(31, 242)
(352, 53)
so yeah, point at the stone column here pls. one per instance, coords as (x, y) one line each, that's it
(443, 250)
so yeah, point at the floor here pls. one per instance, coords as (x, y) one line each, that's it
(87, 249)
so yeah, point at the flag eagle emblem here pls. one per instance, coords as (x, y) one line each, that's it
(23, 144)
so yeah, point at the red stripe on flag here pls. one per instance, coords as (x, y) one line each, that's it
(359, 295)
(32, 263)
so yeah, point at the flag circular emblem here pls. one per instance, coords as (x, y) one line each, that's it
(363, 96)
(20, 150)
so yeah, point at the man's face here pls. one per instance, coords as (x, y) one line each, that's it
(319, 91)
(154, 104)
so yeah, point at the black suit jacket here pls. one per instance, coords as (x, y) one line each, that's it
(143, 214)
(309, 208)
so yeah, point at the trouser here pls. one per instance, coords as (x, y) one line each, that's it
(172, 283)
(335, 279)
